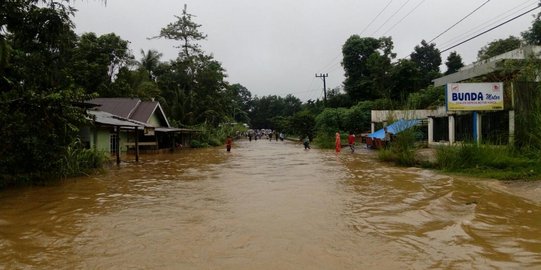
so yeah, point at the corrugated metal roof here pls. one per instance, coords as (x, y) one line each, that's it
(109, 119)
(181, 130)
(144, 110)
(123, 107)
(131, 108)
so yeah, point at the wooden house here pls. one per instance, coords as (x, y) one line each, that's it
(130, 124)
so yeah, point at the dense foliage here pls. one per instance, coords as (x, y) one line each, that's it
(38, 94)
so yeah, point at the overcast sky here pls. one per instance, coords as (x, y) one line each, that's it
(275, 47)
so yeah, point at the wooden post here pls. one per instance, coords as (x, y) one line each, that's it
(117, 145)
(173, 140)
(136, 144)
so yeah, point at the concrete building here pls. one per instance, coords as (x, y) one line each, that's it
(449, 126)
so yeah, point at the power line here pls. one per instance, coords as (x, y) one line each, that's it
(332, 62)
(390, 17)
(377, 16)
(459, 21)
(495, 19)
(332, 65)
(486, 31)
(409, 13)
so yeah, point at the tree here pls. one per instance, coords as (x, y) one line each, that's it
(366, 62)
(186, 31)
(241, 102)
(97, 61)
(406, 79)
(498, 47)
(195, 82)
(428, 59)
(336, 99)
(453, 63)
(533, 34)
(37, 97)
(302, 123)
(150, 62)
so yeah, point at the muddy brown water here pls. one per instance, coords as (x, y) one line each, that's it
(268, 205)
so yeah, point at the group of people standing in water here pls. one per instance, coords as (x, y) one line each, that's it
(280, 136)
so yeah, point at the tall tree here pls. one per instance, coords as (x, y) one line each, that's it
(498, 47)
(533, 34)
(366, 62)
(150, 61)
(186, 31)
(428, 59)
(241, 102)
(199, 78)
(453, 63)
(97, 60)
(406, 79)
(39, 120)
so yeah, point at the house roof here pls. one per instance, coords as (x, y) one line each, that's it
(109, 119)
(131, 108)
(122, 107)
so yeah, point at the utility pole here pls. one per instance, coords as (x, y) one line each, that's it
(323, 76)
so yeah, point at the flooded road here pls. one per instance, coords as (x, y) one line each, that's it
(268, 205)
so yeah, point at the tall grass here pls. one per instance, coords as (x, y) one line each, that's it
(402, 149)
(506, 163)
(79, 160)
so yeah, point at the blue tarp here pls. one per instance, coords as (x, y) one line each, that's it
(395, 128)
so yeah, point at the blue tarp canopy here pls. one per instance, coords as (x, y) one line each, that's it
(395, 128)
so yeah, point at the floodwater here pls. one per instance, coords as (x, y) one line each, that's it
(268, 205)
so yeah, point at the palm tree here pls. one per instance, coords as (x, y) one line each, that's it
(149, 62)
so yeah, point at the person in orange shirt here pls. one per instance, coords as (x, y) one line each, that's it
(338, 143)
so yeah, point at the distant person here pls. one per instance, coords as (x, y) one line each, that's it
(306, 143)
(338, 143)
(228, 143)
(351, 141)
(276, 135)
(282, 136)
(387, 137)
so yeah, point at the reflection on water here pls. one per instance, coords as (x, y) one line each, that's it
(268, 205)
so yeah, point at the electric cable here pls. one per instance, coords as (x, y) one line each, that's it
(374, 19)
(486, 31)
(469, 14)
(390, 17)
(407, 15)
(499, 17)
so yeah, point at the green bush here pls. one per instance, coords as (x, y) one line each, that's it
(402, 149)
(488, 161)
(79, 160)
(325, 140)
(198, 144)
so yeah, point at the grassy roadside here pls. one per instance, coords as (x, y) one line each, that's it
(472, 159)
(484, 161)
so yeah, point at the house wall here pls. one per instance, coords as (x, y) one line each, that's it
(102, 141)
(155, 121)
